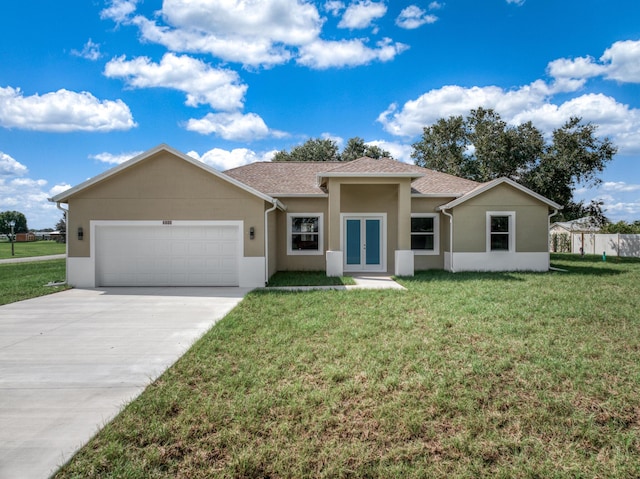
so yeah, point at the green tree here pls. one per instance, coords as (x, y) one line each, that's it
(356, 148)
(318, 149)
(483, 147)
(622, 227)
(315, 149)
(20, 222)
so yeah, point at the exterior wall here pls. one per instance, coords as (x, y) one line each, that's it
(287, 262)
(163, 187)
(531, 221)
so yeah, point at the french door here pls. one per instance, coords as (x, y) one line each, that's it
(364, 243)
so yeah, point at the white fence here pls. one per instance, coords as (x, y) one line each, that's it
(610, 244)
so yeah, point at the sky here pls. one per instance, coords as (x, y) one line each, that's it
(87, 84)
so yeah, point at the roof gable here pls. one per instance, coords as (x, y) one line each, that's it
(481, 188)
(105, 176)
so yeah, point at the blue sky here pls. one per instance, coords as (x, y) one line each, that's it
(85, 85)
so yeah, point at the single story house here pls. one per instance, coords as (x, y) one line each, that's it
(164, 218)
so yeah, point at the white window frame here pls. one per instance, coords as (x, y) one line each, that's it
(512, 231)
(436, 234)
(306, 252)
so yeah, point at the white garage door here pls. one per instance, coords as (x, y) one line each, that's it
(167, 255)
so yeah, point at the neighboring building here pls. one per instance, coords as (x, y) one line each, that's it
(164, 218)
(580, 225)
(561, 234)
(25, 237)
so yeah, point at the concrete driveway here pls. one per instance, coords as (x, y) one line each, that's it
(70, 361)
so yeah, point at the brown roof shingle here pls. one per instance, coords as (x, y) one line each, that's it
(301, 178)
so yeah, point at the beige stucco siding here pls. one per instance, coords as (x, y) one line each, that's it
(163, 187)
(300, 262)
(470, 224)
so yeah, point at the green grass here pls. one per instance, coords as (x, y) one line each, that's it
(20, 281)
(509, 375)
(33, 248)
(307, 278)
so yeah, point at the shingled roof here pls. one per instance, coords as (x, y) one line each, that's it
(304, 178)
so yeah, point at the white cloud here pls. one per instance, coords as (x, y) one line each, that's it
(257, 33)
(528, 103)
(620, 62)
(245, 31)
(11, 167)
(62, 111)
(456, 100)
(225, 160)
(619, 186)
(334, 7)
(230, 126)
(435, 6)
(112, 159)
(119, 10)
(221, 89)
(361, 14)
(414, 17)
(30, 197)
(516, 2)
(399, 151)
(347, 53)
(90, 51)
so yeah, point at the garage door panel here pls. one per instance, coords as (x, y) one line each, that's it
(176, 255)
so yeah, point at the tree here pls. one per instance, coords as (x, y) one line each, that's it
(483, 147)
(356, 148)
(317, 149)
(20, 222)
(61, 225)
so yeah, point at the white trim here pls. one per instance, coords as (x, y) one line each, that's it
(383, 241)
(506, 261)
(436, 234)
(487, 186)
(370, 175)
(306, 252)
(436, 195)
(299, 195)
(512, 230)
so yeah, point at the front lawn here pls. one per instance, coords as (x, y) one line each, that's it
(20, 281)
(307, 278)
(31, 248)
(463, 375)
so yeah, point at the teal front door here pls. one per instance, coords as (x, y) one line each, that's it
(363, 243)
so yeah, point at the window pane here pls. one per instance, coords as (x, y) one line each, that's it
(499, 242)
(499, 224)
(422, 225)
(304, 242)
(301, 224)
(424, 242)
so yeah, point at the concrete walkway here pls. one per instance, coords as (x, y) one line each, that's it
(363, 281)
(31, 259)
(69, 361)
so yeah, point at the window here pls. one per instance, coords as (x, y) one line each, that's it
(304, 233)
(500, 231)
(424, 233)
